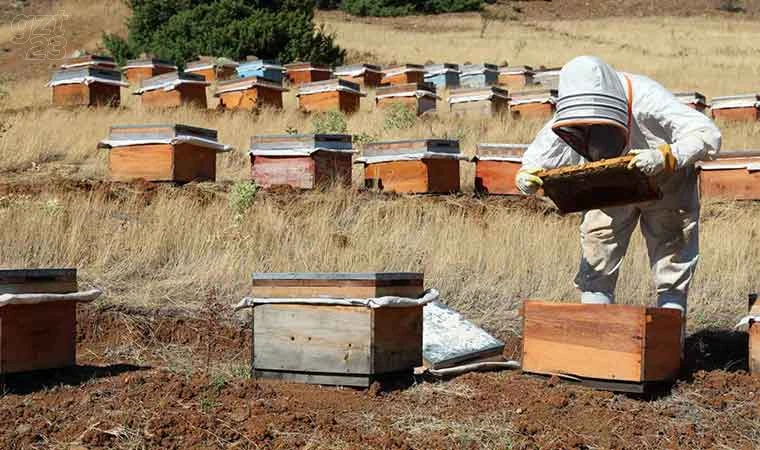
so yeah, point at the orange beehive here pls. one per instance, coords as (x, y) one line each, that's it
(517, 77)
(300, 73)
(487, 101)
(536, 104)
(738, 108)
(249, 93)
(213, 69)
(330, 95)
(403, 74)
(95, 61)
(733, 176)
(418, 97)
(173, 89)
(137, 70)
(304, 161)
(693, 100)
(86, 86)
(366, 75)
(419, 166)
(172, 153)
(496, 166)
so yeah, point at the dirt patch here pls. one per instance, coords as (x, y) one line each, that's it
(584, 9)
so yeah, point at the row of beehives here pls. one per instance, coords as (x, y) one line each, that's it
(181, 153)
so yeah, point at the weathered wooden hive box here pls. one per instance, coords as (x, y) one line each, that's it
(304, 72)
(445, 76)
(213, 69)
(517, 77)
(250, 93)
(137, 70)
(403, 74)
(547, 78)
(94, 61)
(693, 100)
(367, 75)
(418, 97)
(478, 75)
(535, 104)
(38, 319)
(172, 90)
(303, 161)
(738, 108)
(261, 68)
(417, 166)
(496, 166)
(488, 101)
(600, 184)
(616, 347)
(330, 95)
(733, 176)
(86, 86)
(312, 332)
(170, 153)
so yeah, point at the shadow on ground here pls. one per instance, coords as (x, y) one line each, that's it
(30, 382)
(713, 349)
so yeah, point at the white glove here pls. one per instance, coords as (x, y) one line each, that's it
(651, 162)
(527, 181)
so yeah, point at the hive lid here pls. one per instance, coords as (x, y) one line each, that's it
(516, 70)
(335, 84)
(241, 84)
(355, 70)
(303, 66)
(736, 101)
(170, 81)
(547, 77)
(89, 61)
(500, 152)
(690, 97)
(299, 144)
(473, 69)
(436, 69)
(86, 75)
(209, 62)
(533, 96)
(477, 94)
(402, 68)
(14, 276)
(411, 149)
(264, 277)
(131, 135)
(260, 64)
(733, 159)
(407, 90)
(149, 62)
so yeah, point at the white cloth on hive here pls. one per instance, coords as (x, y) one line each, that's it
(374, 302)
(35, 299)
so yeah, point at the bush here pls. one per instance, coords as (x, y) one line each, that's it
(406, 7)
(329, 122)
(184, 29)
(399, 117)
(241, 197)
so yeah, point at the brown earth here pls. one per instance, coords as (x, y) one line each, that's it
(175, 380)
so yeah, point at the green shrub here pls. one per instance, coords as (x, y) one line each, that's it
(184, 29)
(242, 197)
(399, 117)
(329, 122)
(406, 7)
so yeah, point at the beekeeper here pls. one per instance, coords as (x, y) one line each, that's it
(602, 114)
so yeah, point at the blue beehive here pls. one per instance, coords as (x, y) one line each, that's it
(442, 75)
(261, 68)
(478, 75)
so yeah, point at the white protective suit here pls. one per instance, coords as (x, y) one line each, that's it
(590, 92)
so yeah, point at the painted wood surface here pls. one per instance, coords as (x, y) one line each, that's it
(345, 102)
(186, 94)
(135, 75)
(754, 335)
(485, 108)
(38, 281)
(729, 184)
(515, 80)
(532, 111)
(427, 176)
(95, 94)
(162, 162)
(306, 286)
(251, 99)
(496, 177)
(302, 172)
(749, 114)
(404, 78)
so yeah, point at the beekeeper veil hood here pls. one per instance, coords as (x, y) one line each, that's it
(593, 110)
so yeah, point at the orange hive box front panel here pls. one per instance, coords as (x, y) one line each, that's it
(300, 73)
(403, 74)
(517, 77)
(86, 86)
(538, 104)
(172, 90)
(496, 166)
(733, 176)
(330, 95)
(249, 93)
(737, 108)
(362, 74)
(418, 97)
(137, 70)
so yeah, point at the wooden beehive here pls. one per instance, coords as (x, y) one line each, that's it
(403, 74)
(478, 75)
(535, 104)
(94, 61)
(261, 68)
(37, 336)
(172, 90)
(417, 166)
(444, 75)
(488, 101)
(733, 176)
(330, 95)
(418, 97)
(736, 108)
(213, 69)
(137, 70)
(300, 73)
(303, 161)
(496, 166)
(694, 100)
(168, 153)
(249, 94)
(754, 335)
(616, 347)
(366, 75)
(548, 78)
(86, 86)
(335, 344)
(517, 77)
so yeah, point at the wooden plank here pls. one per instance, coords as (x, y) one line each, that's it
(193, 163)
(496, 177)
(729, 184)
(534, 111)
(396, 339)
(71, 95)
(443, 175)
(332, 168)
(161, 99)
(323, 101)
(662, 344)
(153, 162)
(398, 176)
(334, 291)
(351, 380)
(749, 114)
(297, 172)
(312, 338)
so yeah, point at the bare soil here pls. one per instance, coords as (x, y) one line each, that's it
(177, 380)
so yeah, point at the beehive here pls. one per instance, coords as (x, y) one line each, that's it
(418, 166)
(213, 69)
(367, 75)
(694, 100)
(38, 319)
(754, 334)
(489, 101)
(478, 75)
(535, 104)
(739, 108)
(169, 153)
(548, 78)
(418, 97)
(249, 93)
(307, 329)
(261, 68)
(304, 72)
(86, 86)
(516, 77)
(442, 75)
(173, 89)
(137, 70)
(496, 166)
(303, 161)
(330, 95)
(403, 74)
(94, 61)
(616, 347)
(733, 176)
